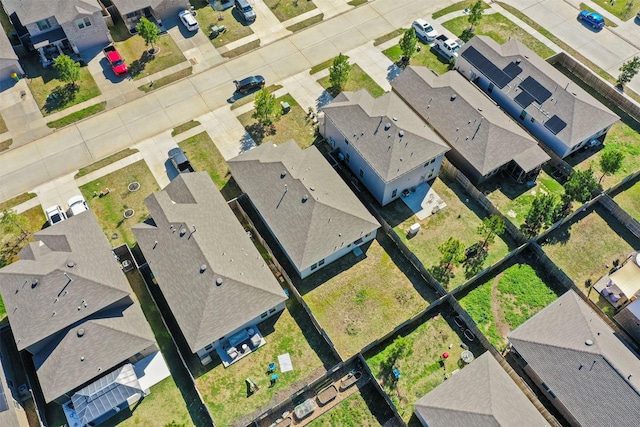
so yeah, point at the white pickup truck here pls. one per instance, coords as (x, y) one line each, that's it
(447, 47)
(424, 30)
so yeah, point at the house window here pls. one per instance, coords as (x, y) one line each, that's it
(321, 262)
(208, 347)
(347, 158)
(361, 173)
(490, 88)
(523, 114)
(394, 193)
(82, 23)
(346, 141)
(44, 24)
(426, 164)
(314, 266)
(432, 160)
(431, 172)
(263, 315)
(271, 311)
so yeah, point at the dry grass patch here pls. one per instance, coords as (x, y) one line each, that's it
(3, 125)
(629, 200)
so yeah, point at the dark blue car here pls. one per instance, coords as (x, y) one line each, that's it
(591, 18)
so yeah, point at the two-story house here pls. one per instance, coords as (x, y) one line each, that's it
(155, 10)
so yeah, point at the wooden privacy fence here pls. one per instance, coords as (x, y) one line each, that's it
(621, 215)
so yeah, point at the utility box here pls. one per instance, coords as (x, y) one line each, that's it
(413, 230)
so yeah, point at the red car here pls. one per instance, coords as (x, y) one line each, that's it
(115, 60)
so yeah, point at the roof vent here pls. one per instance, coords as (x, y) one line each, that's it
(312, 188)
(283, 174)
(203, 268)
(453, 97)
(34, 283)
(401, 133)
(305, 198)
(518, 61)
(395, 119)
(219, 281)
(71, 264)
(183, 231)
(588, 342)
(82, 358)
(387, 126)
(80, 332)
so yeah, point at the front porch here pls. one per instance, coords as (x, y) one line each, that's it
(52, 44)
(239, 345)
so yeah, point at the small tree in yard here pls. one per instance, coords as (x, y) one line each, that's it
(408, 44)
(68, 69)
(490, 227)
(452, 253)
(628, 70)
(610, 162)
(265, 104)
(149, 32)
(475, 14)
(580, 186)
(339, 72)
(543, 211)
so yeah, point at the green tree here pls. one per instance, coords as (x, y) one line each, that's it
(628, 70)
(610, 162)
(408, 44)
(13, 229)
(148, 31)
(339, 72)
(400, 348)
(475, 14)
(68, 69)
(580, 186)
(265, 108)
(543, 211)
(175, 424)
(452, 252)
(490, 227)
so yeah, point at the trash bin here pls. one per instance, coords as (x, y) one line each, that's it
(15, 76)
(285, 107)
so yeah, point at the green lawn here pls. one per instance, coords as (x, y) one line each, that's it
(461, 5)
(354, 411)
(358, 79)
(506, 301)
(141, 63)
(514, 200)
(306, 23)
(424, 368)
(629, 200)
(241, 49)
(231, 18)
(185, 127)
(287, 9)
(3, 125)
(252, 97)
(624, 10)
(389, 36)
(44, 85)
(77, 116)
(4, 145)
(501, 30)
(106, 162)
(109, 209)
(224, 390)
(585, 247)
(204, 156)
(460, 219)
(166, 80)
(427, 57)
(359, 300)
(15, 201)
(296, 125)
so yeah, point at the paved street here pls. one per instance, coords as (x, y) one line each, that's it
(145, 121)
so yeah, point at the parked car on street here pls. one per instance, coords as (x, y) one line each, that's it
(180, 160)
(77, 204)
(55, 214)
(245, 9)
(424, 30)
(188, 20)
(116, 62)
(249, 84)
(591, 18)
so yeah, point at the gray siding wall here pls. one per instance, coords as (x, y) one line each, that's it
(95, 36)
(33, 28)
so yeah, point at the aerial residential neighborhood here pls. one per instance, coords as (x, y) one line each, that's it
(274, 213)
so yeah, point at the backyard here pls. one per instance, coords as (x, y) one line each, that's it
(110, 208)
(204, 156)
(514, 200)
(231, 19)
(500, 29)
(422, 367)
(359, 300)
(586, 248)
(459, 219)
(53, 95)
(629, 199)
(358, 79)
(295, 124)
(224, 389)
(506, 301)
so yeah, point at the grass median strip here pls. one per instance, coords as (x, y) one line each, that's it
(461, 5)
(4, 145)
(78, 115)
(389, 36)
(306, 23)
(163, 81)
(251, 97)
(106, 162)
(185, 127)
(16, 200)
(3, 125)
(242, 49)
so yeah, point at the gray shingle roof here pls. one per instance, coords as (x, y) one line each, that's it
(363, 119)
(481, 394)
(597, 383)
(29, 11)
(6, 51)
(128, 6)
(468, 120)
(583, 114)
(90, 348)
(72, 266)
(278, 178)
(204, 311)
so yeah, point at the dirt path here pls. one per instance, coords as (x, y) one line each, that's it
(498, 313)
